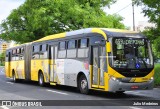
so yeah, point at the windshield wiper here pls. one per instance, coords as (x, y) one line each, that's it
(144, 63)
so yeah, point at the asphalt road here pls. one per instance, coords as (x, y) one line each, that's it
(26, 90)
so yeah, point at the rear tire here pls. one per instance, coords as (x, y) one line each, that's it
(83, 85)
(41, 80)
(14, 77)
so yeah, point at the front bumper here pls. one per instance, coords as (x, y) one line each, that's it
(116, 85)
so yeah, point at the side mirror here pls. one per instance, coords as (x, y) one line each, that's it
(109, 47)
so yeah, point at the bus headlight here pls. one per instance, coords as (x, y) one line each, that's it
(113, 78)
(152, 78)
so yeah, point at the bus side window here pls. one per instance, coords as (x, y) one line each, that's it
(72, 49)
(13, 55)
(17, 54)
(43, 51)
(35, 52)
(83, 49)
(40, 48)
(62, 49)
(21, 55)
(22, 50)
(7, 56)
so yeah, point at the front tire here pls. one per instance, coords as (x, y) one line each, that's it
(83, 85)
(120, 92)
(41, 80)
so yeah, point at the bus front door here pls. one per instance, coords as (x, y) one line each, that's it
(98, 64)
(52, 53)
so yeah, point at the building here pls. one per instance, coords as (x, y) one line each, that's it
(143, 25)
(3, 45)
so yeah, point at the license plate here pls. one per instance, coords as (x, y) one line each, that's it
(134, 87)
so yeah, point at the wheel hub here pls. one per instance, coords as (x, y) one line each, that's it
(83, 84)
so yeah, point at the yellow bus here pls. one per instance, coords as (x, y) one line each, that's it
(93, 58)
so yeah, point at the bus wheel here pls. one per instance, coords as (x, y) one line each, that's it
(14, 77)
(83, 85)
(120, 92)
(41, 79)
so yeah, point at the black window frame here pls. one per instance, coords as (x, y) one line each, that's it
(87, 47)
(64, 49)
(34, 49)
(75, 48)
(75, 44)
(59, 45)
(80, 43)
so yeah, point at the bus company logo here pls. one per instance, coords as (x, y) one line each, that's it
(137, 66)
(6, 103)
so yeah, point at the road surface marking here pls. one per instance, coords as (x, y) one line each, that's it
(57, 92)
(4, 107)
(9, 82)
(135, 108)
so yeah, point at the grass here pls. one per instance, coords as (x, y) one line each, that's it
(157, 75)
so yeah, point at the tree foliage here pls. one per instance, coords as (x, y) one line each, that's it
(2, 59)
(151, 9)
(38, 18)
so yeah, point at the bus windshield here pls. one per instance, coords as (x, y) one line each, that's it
(131, 53)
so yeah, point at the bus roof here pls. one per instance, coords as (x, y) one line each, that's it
(119, 30)
(108, 31)
(105, 31)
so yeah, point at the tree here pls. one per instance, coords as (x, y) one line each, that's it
(38, 18)
(2, 59)
(152, 11)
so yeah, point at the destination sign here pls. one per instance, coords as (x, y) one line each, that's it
(129, 41)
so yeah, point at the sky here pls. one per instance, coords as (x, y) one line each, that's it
(6, 7)
(124, 9)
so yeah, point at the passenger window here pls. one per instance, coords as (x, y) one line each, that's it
(35, 56)
(83, 43)
(14, 51)
(72, 51)
(7, 56)
(18, 51)
(83, 48)
(43, 53)
(62, 45)
(44, 47)
(40, 47)
(62, 50)
(22, 50)
(72, 44)
(16, 57)
(36, 48)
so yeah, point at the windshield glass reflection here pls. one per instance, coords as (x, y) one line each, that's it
(131, 53)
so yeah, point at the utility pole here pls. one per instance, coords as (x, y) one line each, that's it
(133, 16)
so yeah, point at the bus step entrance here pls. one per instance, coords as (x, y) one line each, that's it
(53, 83)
